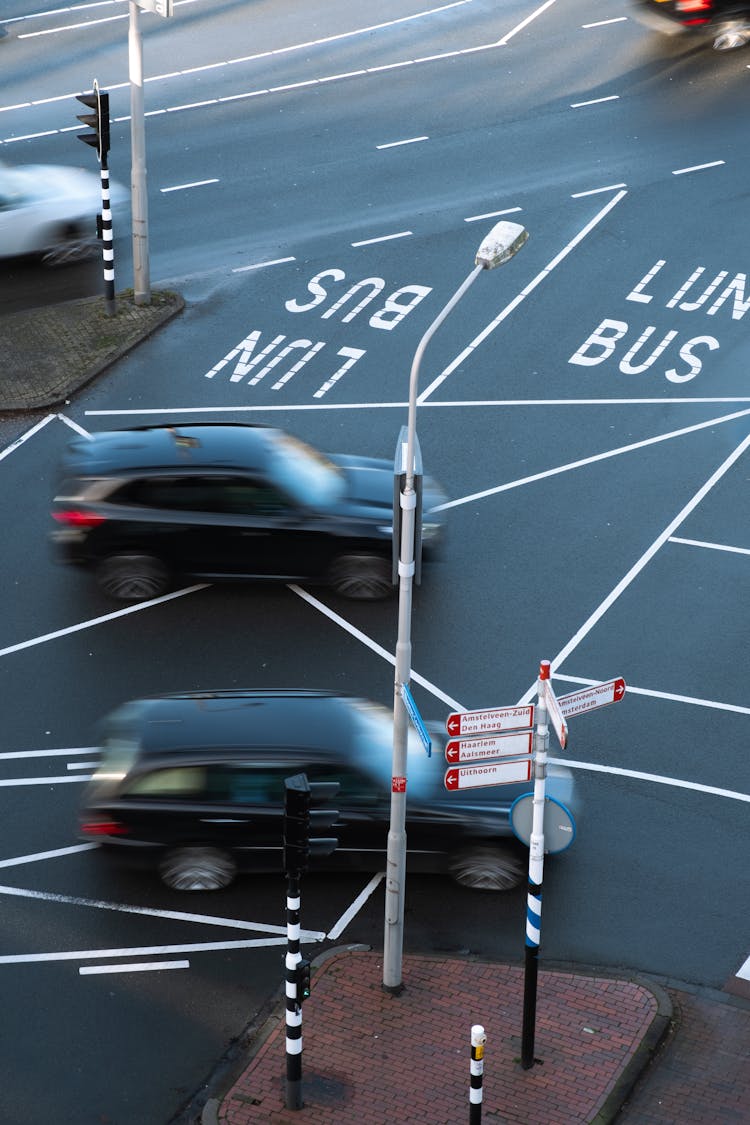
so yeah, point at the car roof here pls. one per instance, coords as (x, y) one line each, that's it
(224, 721)
(181, 447)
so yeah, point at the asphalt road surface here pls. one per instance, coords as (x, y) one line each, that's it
(319, 184)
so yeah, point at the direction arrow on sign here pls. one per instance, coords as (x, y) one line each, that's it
(509, 745)
(555, 714)
(577, 702)
(494, 719)
(491, 773)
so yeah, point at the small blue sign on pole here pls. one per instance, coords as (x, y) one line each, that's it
(416, 719)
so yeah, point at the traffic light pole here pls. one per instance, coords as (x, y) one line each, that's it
(293, 1001)
(108, 249)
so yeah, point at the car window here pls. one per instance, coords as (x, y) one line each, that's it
(231, 495)
(175, 781)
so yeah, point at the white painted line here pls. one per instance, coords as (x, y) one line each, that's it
(338, 927)
(710, 546)
(37, 857)
(397, 144)
(18, 782)
(369, 643)
(524, 23)
(541, 276)
(382, 238)
(493, 214)
(604, 23)
(645, 558)
(152, 912)
(136, 967)
(25, 437)
(570, 465)
(744, 970)
(184, 187)
(262, 265)
(711, 790)
(698, 168)
(597, 191)
(102, 620)
(67, 753)
(74, 426)
(82, 765)
(595, 101)
(671, 697)
(138, 951)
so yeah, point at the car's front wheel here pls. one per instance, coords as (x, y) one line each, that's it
(197, 868)
(364, 577)
(133, 578)
(486, 868)
(69, 244)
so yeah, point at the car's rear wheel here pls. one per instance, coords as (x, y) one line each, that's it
(484, 868)
(364, 577)
(197, 868)
(133, 578)
(69, 244)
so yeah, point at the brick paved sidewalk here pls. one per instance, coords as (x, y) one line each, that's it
(373, 1059)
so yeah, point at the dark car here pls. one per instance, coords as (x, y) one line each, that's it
(226, 501)
(725, 22)
(193, 784)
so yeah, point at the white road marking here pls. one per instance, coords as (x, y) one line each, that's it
(524, 23)
(338, 927)
(82, 765)
(383, 238)
(677, 783)
(541, 276)
(263, 265)
(493, 214)
(101, 620)
(74, 426)
(570, 465)
(138, 951)
(151, 912)
(136, 967)
(37, 857)
(25, 437)
(66, 753)
(645, 558)
(369, 643)
(597, 191)
(604, 23)
(744, 970)
(18, 782)
(698, 168)
(184, 187)
(595, 101)
(397, 144)
(710, 546)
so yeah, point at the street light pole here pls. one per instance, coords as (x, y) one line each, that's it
(503, 241)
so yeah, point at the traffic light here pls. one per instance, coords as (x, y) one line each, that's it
(97, 121)
(303, 979)
(300, 820)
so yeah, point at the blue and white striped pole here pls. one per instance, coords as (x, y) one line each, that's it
(536, 874)
(478, 1040)
(293, 1001)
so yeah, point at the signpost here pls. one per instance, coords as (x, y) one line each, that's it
(490, 773)
(495, 719)
(416, 718)
(578, 702)
(509, 745)
(553, 711)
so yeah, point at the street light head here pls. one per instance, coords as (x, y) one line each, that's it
(499, 246)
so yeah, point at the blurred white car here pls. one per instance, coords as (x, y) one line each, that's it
(51, 210)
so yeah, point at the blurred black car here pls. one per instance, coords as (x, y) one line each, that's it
(193, 784)
(726, 22)
(226, 501)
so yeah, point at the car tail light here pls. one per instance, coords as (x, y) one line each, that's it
(75, 517)
(694, 5)
(103, 828)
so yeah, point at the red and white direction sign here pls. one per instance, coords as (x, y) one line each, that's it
(577, 702)
(491, 773)
(556, 716)
(495, 719)
(509, 745)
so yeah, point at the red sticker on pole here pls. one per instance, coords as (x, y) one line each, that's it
(398, 784)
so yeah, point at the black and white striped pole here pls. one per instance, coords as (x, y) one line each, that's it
(98, 138)
(293, 1000)
(536, 874)
(478, 1040)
